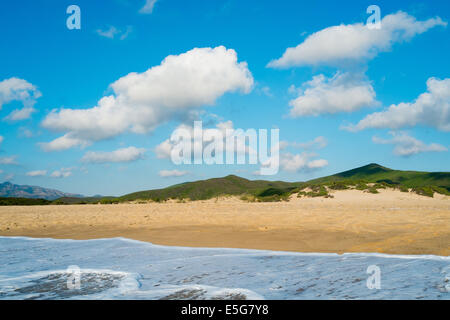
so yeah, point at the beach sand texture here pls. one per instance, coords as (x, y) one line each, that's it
(353, 221)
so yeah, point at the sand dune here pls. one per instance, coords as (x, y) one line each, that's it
(352, 221)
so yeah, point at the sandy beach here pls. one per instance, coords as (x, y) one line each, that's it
(353, 221)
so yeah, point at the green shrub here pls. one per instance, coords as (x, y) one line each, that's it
(248, 198)
(424, 191)
(440, 190)
(387, 182)
(273, 198)
(316, 191)
(362, 186)
(109, 201)
(372, 190)
(339, 185)
(271, 192)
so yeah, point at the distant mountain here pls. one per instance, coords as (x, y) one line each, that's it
(10, 190)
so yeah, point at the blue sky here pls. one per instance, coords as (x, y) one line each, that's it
(316, 95)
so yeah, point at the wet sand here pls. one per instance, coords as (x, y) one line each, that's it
(353, 221)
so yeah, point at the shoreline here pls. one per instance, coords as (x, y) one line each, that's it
(390, 222)
(246, 250)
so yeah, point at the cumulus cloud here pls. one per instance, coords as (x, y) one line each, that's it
(344, 92)
(62, 173)
(405, 145)
(8, 160)
(121, 155)
(143, 101)
(20, 114)
(148, 7)
(354, 42)
(431, 108)
(223, 130)
(297, 162)
(172, 173)
(164, 149)
(15, 89)
(64, 142)
(316, 164)
(37, 173)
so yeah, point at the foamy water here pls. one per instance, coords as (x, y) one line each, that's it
(126, 269)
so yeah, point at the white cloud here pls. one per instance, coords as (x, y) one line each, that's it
(143, 101)
(172, 173)
(8, 160)
(121, 155)
(37, 173)
(63, 143)
(148, 7)
(344, 92)
(164, 149)
(316, 164)
(1, 171)
(15, 89)
(431, 108)
(112, 32)
(354, 42)
(62, 173)
(293, 90)
(20, 114)
(405, 145)
(126, 33)
(1, 139)
(109, 33)
(223, 129)
(297, 162)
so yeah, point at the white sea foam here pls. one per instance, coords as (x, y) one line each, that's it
(128, 269)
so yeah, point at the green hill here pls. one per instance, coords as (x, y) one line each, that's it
(207, 189)
(373, 173)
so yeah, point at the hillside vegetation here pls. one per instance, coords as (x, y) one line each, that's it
(370, 178)
(23, 202)
(206, 189)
